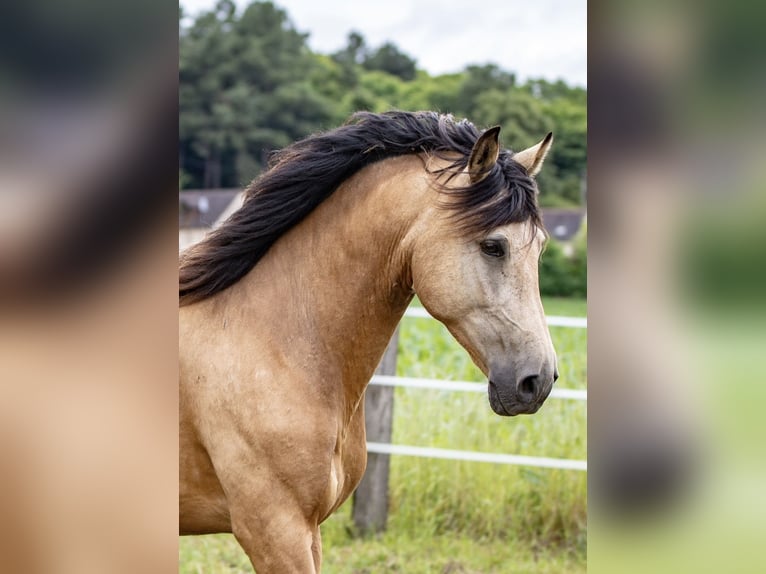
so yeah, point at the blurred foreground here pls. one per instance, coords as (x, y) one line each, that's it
(676, 287)
(88, 251)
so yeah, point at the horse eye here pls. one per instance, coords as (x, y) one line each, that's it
(492, 248)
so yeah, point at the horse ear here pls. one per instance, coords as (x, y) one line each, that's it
(484, 154)
(532, 158)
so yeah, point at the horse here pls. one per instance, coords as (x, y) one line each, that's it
(287, 307)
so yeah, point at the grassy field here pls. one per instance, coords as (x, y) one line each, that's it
(461, 517)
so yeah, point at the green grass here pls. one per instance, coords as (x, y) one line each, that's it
(461, 517)
(565, 306)
(446, 554)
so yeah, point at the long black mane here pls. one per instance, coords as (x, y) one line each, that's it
(304, 174)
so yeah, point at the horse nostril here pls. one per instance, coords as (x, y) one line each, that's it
(555, 375)
(528, 388)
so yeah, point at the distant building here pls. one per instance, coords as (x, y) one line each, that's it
(562, 224)
(200, 210)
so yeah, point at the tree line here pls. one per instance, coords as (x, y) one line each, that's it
(249, 84)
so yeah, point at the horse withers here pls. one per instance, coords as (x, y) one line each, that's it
(287, 308)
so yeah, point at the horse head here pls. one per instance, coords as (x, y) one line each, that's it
(480, 279)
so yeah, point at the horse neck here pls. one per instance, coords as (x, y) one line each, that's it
(343, 273)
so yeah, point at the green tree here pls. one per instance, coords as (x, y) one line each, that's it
(477, 80)
(521, 116)
(438, 93)
(388, 58)
(244, 90)
(202, 138)
(562, 275)
(249, 84)
(350, 59)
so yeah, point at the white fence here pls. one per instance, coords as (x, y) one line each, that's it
(383, 448)
(464, 386)
(553, 320)
(470, 387)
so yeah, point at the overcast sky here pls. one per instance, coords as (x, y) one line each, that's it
(533, 38)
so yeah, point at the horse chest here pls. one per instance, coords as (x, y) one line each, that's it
(347, 468)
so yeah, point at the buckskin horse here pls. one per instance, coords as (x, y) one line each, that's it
(287, 308)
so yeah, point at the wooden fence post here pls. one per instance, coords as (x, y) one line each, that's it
(370, 506)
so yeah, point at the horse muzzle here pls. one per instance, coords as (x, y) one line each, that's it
(510, 395)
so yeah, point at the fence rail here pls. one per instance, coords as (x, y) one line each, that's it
(517, 459)
(553, 320)
(471, 387)
(464, 386)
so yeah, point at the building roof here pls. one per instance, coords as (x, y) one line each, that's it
(562, 224)
(203, 207)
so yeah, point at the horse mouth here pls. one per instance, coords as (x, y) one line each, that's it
(496, 404)
(505, 410)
